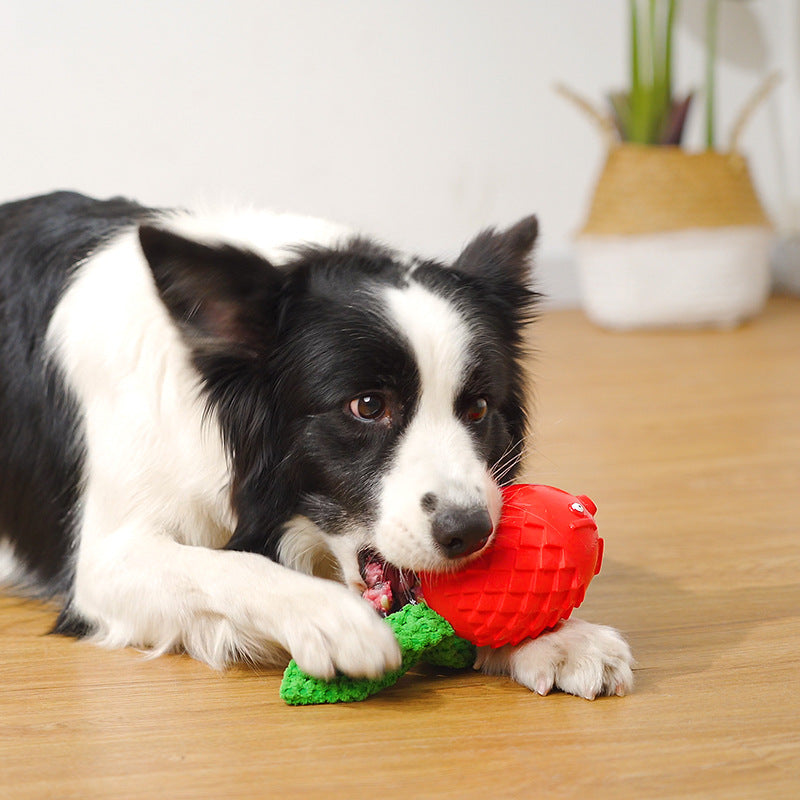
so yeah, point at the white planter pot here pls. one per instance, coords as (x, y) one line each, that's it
(709, 276)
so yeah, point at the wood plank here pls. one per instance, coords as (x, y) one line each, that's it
(690, 445)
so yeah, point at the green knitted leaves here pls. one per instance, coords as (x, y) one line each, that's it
(423, 636)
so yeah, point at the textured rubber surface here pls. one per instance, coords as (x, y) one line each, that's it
(533, 574)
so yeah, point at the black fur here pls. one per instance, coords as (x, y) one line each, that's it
(281, 351)
(42, 239)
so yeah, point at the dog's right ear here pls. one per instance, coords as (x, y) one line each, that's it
(501, 257)
(221, 296)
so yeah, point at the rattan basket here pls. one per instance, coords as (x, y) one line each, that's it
(656, 189)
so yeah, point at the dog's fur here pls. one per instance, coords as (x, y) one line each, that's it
(206, 419)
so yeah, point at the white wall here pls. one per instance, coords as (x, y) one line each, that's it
(422, 121)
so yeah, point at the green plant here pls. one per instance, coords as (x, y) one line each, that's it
(648, 113)
(712, 13)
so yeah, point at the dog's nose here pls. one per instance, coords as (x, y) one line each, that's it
(461, 531)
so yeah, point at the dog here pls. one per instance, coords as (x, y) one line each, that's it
(211, 423)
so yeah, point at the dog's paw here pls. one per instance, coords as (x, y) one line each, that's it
(336, 631)
(577, 657)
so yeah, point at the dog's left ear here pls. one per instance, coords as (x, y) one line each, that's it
(221, 296)
(501, 256)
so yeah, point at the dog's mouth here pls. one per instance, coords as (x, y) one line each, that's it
(388, 587)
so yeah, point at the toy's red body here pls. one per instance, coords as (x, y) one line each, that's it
(535, 572)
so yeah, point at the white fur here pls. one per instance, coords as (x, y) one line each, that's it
(306, 548)
(578, 657)
(157, 486)
(437, 453)
(12, 572)
(266, 233)
(156, 500)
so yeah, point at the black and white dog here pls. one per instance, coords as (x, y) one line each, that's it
(205, 424)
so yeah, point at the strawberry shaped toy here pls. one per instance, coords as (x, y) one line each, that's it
(533, 573)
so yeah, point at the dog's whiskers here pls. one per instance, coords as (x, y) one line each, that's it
(504, 465)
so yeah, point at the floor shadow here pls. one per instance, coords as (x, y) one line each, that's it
(678, 632)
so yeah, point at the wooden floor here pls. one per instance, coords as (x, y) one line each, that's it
(690, 445)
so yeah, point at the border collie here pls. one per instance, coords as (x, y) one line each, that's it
(208, 426)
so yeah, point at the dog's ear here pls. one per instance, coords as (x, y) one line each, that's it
(221, 296)
(501, 256)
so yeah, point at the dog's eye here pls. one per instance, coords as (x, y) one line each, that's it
(369, 407)
(477, 410)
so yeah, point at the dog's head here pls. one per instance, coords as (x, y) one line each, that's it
(379, 397)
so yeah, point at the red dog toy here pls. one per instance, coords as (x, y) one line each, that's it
(535, 572)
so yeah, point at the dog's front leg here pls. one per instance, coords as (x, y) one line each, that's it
(577, 657)
(141, 588)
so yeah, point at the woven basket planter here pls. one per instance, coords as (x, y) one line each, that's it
(673, 238)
